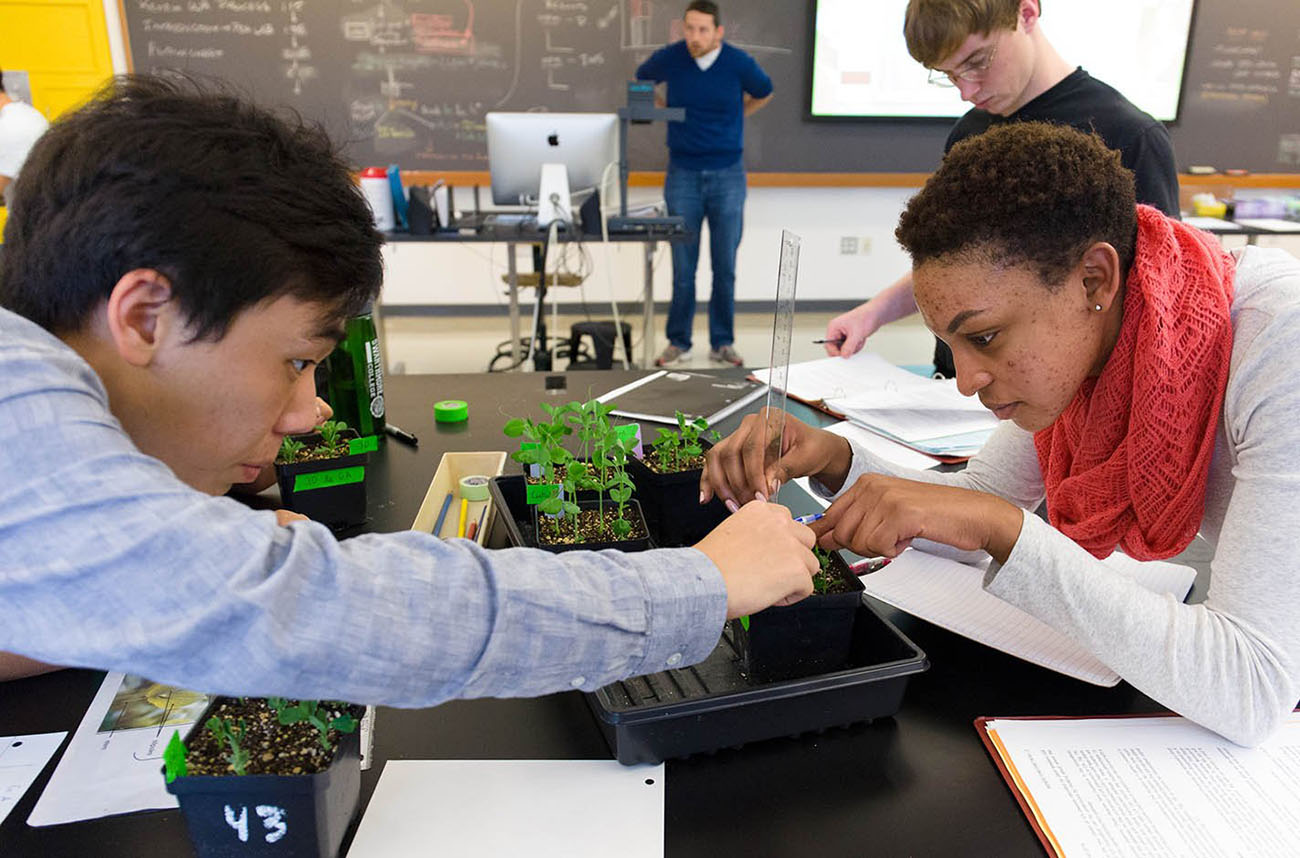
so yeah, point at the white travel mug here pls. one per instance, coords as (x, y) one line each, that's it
(379, 193)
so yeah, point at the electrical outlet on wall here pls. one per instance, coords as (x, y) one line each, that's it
(848, 245)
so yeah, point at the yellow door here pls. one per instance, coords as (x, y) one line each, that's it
(63, 47)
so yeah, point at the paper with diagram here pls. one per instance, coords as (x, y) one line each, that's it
(114, 762)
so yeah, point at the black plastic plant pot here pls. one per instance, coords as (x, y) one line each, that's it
(289, 816)
(672, 503)
(631, 511)
(331, 491)
(809, 637)
(510, 501)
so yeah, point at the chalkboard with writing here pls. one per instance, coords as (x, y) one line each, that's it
(409, 81)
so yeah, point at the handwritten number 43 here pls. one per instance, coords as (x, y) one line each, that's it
(272, 821)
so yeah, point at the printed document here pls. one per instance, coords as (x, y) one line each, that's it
(1144, 786)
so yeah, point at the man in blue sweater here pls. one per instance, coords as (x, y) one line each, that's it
(719, 85)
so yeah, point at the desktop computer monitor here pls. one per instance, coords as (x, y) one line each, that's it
(519, 144)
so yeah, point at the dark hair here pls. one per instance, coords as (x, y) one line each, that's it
(1024, 194)
(707, 7)
(231, 203)
(934, 29)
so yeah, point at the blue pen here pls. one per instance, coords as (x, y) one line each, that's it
(809, 519)
(442, 516)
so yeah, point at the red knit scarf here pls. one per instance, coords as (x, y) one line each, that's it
(1126, 463)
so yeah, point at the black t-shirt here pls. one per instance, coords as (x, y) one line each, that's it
(1083, 102)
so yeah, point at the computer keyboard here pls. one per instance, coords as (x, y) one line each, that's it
(663, 225)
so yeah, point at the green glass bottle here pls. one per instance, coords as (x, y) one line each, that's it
(356, 377)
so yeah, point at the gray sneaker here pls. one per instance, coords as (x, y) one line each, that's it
(726, 354)
(672, 355)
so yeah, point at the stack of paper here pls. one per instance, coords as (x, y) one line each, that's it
(925, 414)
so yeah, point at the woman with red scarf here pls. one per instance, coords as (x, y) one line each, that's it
(1149, 387)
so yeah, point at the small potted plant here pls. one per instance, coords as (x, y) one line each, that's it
(322, 475)
(609, 520)
(267, 776)
(668, 484)
(809, 637)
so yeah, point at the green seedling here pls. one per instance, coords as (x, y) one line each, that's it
(226, 734)
(671, 447)
(289, 450)
(542, 448)
(822, 580)
(331, 439)
(313, 713)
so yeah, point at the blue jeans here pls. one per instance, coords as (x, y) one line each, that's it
(719, 196)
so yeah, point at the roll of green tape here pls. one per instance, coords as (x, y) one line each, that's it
(474, 488)
(451, 411)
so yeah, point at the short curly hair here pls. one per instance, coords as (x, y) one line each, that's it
(1024, 194)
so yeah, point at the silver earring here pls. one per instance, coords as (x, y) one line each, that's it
(1097, 307)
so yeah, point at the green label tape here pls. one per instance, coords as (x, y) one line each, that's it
(538, 493)
(365, 444)
(450, 411)
(325, 479)
(744, 621)
(474, 488)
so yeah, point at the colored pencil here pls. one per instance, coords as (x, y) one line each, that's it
(442, 516)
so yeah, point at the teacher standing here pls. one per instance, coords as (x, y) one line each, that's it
(719, 85)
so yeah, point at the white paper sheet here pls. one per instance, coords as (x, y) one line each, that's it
(951, 595)
(22, 759)
(1139, 787)
(473, 808)
(1270, 223)
(114, 762)
(835, 377)
(890, 451)
(1209, 223)
(917, 414)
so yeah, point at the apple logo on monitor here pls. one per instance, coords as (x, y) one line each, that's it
(553, 139)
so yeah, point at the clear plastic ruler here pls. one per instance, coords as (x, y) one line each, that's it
(787, 279)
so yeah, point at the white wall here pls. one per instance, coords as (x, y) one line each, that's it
(470, 274)
(427, 274)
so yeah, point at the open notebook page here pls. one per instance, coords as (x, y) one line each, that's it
(951, 595)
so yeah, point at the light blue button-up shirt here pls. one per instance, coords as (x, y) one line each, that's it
(108, 560)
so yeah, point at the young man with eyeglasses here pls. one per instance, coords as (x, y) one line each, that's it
(997, 56)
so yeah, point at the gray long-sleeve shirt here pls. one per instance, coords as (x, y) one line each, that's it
(1232, 662)
(108, 560)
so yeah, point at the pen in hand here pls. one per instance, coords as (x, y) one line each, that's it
(401, 435)
(837, 341)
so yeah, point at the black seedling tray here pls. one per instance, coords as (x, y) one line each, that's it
(712, 705)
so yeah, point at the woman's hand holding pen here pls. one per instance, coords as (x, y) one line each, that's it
(736, 470)
(880, 515)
